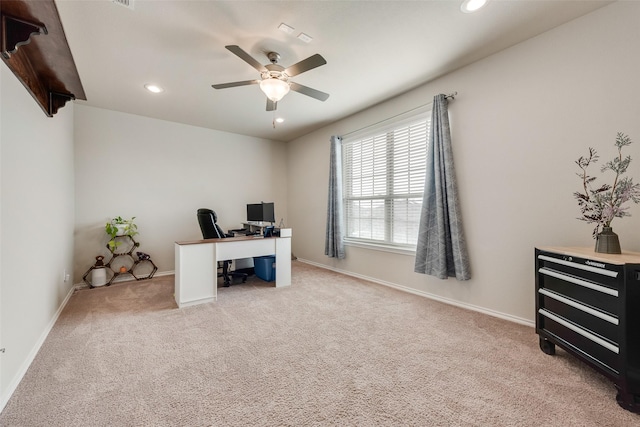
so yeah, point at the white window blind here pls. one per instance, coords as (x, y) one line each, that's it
(384, 174)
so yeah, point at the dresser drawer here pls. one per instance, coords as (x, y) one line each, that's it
(607, 275)
(590, 318)
(592, 347)
(588, 292)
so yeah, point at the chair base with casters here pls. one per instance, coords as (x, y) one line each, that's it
(229, 274)
(211, 230)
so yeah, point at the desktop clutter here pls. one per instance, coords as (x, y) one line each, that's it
(258, 214)
(269, 231)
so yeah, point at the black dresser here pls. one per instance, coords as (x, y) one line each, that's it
(589, 304)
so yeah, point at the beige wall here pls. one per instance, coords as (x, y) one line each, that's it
(162, 172)
(521, 119)
(36, 225)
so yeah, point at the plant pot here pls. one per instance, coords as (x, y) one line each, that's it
(99, 277)
(607, 242)
(122, 229)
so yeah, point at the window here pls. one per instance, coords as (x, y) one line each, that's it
(384, 173)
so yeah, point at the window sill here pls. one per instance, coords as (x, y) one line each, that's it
(381, 247)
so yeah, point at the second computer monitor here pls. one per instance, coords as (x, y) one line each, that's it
(261, 212)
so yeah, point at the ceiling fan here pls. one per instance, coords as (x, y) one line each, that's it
(275, 79)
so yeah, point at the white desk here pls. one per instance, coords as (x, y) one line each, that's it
(197, 261)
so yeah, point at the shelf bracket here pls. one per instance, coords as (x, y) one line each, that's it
(17, 32)
(44, 65)
(58, 100)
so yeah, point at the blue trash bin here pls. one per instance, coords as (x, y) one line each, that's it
(265, 267)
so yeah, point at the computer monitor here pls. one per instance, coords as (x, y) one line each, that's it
(254, 212)
(268, 212)
(261, 212)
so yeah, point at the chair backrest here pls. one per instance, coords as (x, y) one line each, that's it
(207, 220)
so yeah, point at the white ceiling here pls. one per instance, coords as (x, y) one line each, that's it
(375, 50)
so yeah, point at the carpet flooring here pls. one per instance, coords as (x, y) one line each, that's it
(330, 350)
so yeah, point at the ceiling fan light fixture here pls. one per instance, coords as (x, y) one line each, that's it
(274, 88)
(470, 6)
(274, 78)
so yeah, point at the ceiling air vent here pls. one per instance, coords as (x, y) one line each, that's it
(125, 3)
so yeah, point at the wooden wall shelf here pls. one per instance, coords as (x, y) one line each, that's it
(35, 48)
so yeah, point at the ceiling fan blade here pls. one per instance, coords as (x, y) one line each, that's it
(234, 84)
(305, 65)
(305, 90)
(236, 50)
(271, 106)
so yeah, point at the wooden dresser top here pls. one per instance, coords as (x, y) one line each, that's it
(626, 257)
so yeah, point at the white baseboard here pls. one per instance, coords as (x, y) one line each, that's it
(449, 301)
(165, 273)
(127, 278)
(32, 354)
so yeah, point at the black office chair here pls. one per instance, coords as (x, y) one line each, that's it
(211, 230)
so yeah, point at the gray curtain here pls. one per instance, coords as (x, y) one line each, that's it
(441, 250)
(333, 246)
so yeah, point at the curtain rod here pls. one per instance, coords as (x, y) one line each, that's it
(451, 95)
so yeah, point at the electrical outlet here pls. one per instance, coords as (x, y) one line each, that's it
(65, 276)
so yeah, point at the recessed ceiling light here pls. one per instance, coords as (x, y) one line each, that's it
(153, 88)
(279, 120)
(469, 6)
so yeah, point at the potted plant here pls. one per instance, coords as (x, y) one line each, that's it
(600, 204)
(119, 226)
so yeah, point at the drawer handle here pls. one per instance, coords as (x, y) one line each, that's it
(579, 330)
(579, 266)
(579, 306)
(577, 281)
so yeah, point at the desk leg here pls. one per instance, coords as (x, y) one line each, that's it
(283, 262)
(196, 274)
